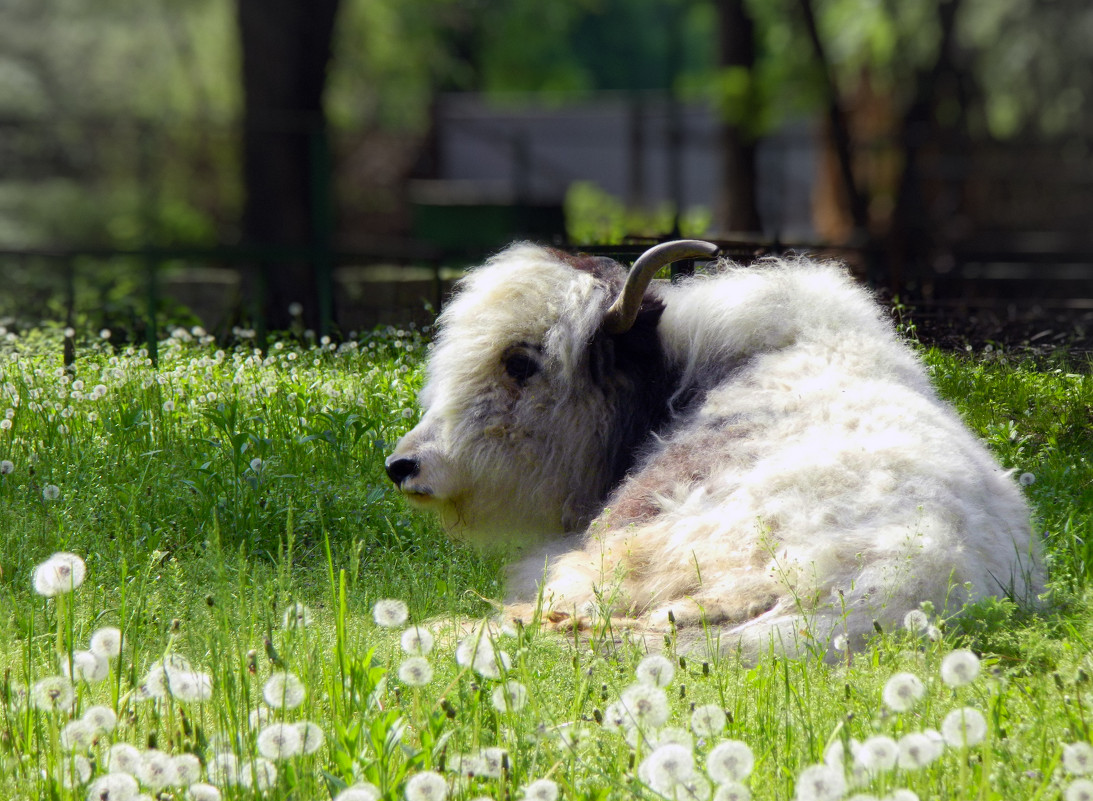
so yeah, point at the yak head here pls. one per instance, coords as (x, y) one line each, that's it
(546, 378)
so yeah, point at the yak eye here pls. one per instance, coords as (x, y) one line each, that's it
(520, 366)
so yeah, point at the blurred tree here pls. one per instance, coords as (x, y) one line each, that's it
(286, 48)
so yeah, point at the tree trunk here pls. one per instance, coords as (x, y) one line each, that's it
(286, 48)
(738, 210)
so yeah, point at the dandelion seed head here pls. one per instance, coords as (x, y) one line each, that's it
(417, 641)
(156, 770)
(187, 769)
(902, 691)
(667, 766)
(1027, 479)
(283, 691)
(1079, 790)
(86, 666)
(732, 791)
(51, 492)
(297, 616)
(101, 718)
(75, 770)
(708, 720)
(113, 787)
(656, 669)
(645, 706)
(415, 671)
(674, 734)
(917, 750)
(201, 791)
(730, 761)
(223, 769)
(964, 727)
(390, 613)
(426, 786)
(259, 717)
(77, 735)
(820, 783)
(362, 791)
(541, 790)
(279, 741)
(258, 774)
(877, 754)
(189, 686)
(60, 573)
(902, 794)
(7, 467)
(53, 694)
(311, 734)
(512, 696)
(1078, 758)
(494, 760)
(106, 642)
(123, 758)
(959, 667)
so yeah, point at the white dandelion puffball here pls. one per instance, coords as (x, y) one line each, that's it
(259, 717)
(154, 684)
(60, 573)
(53, 693)
(541, 790)
(390, 613)
(730, 761)
(113, 787)
(732, 791)
(86, 666)
(283, 691)
(362, 791)
(223, 768)
(877, 754)
(75, 770)
(821, 783)
(417, 641)
(916, 621)
(123, 758)
(101, 718)
(1027, 479)
(258, 774)
(1078, 758)
(917, 750)
(415, 671)
(1079, 790)
(479, 653)
(189, 686)
(959, 667)
(666, 767)
(494, 759)
(902, 691)
(51, 492)
(106, 642)
(656, 670)
(673, 734)
(426, 786)
(156, 770)
(902, 794)
(7, 467)
(187, 769)
(279, 741)
(312, 736)
(297, 616)
(77, 735)
(964, 727)
(200, 791)
(512, 696)
(645, 706)
(708, 720)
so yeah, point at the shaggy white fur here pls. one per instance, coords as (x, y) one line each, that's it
(802, 479)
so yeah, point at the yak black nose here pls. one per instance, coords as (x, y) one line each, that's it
(401, 468)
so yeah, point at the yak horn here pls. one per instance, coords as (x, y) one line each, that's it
(620, 317)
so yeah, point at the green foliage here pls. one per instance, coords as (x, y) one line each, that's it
(595, 217)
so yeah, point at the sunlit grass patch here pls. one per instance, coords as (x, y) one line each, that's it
(250, 611)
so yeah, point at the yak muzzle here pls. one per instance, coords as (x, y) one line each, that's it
(401, 468)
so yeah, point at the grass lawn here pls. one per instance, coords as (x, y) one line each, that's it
(235, 533)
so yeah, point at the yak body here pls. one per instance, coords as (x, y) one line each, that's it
(759, 452)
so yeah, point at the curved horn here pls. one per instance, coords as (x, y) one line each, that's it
(620, 317)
